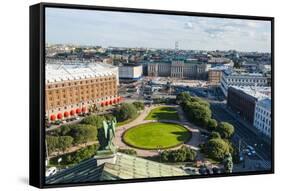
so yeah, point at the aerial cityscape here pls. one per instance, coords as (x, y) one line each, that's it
(126, 99)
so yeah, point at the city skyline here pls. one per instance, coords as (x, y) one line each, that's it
(132, 30)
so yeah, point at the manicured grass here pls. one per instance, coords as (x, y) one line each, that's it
(153, 135)
(163, 113)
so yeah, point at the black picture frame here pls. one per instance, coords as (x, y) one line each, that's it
(37, 88)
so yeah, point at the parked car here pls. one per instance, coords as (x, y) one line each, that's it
(51, 171)
(251, 150)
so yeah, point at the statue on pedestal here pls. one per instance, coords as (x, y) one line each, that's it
(106, 135)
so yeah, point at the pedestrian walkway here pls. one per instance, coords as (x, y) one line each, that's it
(192, 143)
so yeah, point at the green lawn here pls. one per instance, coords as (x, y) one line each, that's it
(153, 135)
(163, 112)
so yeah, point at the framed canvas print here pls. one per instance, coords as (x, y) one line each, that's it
(122, 95)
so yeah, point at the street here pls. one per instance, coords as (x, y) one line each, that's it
(243, 133)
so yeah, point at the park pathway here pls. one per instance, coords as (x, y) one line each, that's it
(192, 143)
(139, 120)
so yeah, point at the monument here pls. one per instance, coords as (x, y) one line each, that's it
(106, 134)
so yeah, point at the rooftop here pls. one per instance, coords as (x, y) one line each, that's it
(265, 103)
(63, 71)
(125, 167)
(221, 67)
(231, 72)
(256, 92)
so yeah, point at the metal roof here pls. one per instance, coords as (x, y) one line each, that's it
(130, 167)
(124, 167)
(56, 72)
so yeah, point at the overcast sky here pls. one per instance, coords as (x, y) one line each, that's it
(88, 27)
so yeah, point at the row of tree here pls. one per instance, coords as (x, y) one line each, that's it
(184, 154)
(197, 110)
(70, 135)
(90, 128)
(75, 157)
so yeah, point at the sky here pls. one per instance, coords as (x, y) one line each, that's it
(120, 29)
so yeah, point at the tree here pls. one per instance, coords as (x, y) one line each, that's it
(183, 97)
(125, 111)
(64, 142)
(52, 143)
(215, 135)
(212, 124)
(183, 154)
(228, 163)
(139, 105)
(217, 149)
(225, 129)
(65, 129)
(94, 120)
(200, 101)
(83, 133)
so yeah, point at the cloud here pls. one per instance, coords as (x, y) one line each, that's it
(188, 25)
(155, 31)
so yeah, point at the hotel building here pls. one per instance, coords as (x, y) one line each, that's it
(73, 88)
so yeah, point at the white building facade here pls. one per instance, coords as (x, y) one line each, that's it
(179, 69)
(262, 120)
(132, 72)
(232, 78)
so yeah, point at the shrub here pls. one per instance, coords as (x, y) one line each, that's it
(128, 151)
(183, 154)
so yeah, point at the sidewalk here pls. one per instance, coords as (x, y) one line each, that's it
(192, 143)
